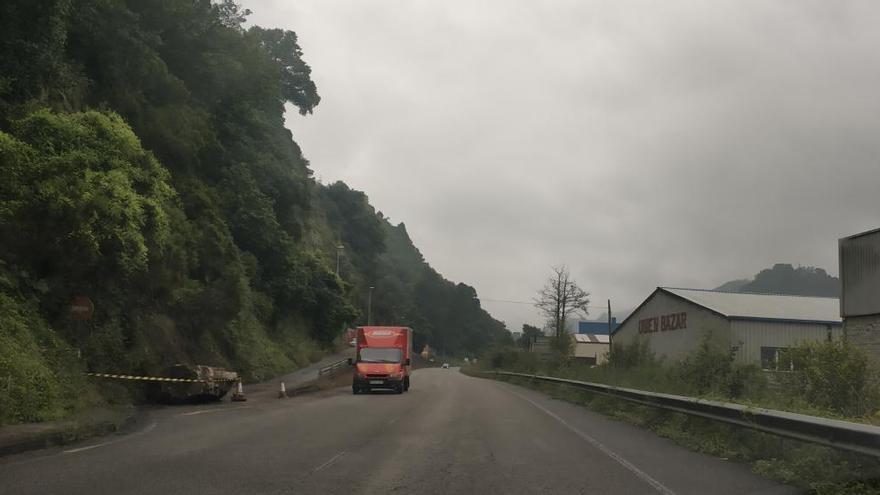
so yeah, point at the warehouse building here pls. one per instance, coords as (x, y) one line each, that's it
(590, 348)
(859, 257)
(597, 327)
(756, 327)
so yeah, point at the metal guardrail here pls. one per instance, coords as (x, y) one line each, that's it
(334, 368)
(845, 435)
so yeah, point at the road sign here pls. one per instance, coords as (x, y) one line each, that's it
(81, 308)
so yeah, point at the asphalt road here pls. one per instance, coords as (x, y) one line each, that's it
(449, 434)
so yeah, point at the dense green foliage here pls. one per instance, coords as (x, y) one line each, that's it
(835, 376)
(786, 279)
(146, 165)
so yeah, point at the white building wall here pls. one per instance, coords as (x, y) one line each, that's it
(596, 350)
(750, 336)
(674, 344)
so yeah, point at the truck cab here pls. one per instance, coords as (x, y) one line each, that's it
(383, 360)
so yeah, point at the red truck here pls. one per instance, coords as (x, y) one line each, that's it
(384, 359)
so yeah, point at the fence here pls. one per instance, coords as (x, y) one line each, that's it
(333, 369)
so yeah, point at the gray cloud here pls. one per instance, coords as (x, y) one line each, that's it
(642, 143)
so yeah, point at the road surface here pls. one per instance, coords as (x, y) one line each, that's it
(449, 434)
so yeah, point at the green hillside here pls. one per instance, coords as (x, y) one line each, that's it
(783, 278)
(146, 166)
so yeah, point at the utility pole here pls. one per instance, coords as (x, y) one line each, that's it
(339, 249)
(610, 346)
(370, 307)
(609, 318)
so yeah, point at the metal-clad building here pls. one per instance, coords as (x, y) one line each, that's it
(859, 257)
(755, 326)
(597, 327)
(591, 348)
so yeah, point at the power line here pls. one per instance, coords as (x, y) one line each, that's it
(530, 303)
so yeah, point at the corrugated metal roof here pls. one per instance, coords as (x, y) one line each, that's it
(764, 306)
(591, 338)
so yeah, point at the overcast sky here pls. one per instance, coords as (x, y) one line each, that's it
(640, 143)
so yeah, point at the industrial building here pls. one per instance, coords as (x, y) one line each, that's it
(591, 348)
(859, 257)
(756, 327)
(597, 327)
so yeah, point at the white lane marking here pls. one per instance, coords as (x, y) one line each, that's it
(605, 450)
(146, 430)
(330, 462)
(90, 447)
(204, 411)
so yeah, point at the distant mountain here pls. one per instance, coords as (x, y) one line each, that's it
(783, 278)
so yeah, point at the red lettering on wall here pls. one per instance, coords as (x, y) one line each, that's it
(664, 323)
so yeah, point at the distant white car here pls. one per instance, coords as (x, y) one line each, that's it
(445, 366)
(353, 343)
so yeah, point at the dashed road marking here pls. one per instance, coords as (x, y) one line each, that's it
(205, 411)
(330, 461)
(146, 430)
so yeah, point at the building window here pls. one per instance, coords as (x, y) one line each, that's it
(776, 359)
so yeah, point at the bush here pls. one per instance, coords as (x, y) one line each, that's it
(712, 371)
(40, 379)
(630, 355)
(511, 359)
(835, 376)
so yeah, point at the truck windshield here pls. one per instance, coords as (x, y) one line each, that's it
(380, 355)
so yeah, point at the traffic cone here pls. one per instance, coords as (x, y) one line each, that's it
(283, 392)
(238, 395)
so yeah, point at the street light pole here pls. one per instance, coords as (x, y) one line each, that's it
(370, 307)
(339, 249)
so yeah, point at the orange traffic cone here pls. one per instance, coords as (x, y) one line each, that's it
(238, 395)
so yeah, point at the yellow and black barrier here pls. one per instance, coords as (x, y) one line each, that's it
(159, 378)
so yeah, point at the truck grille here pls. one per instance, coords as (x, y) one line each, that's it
(377, 375)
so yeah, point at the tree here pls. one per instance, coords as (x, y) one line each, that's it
(145, 164)
(560, 298)
(297, 86)
(529, 334)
